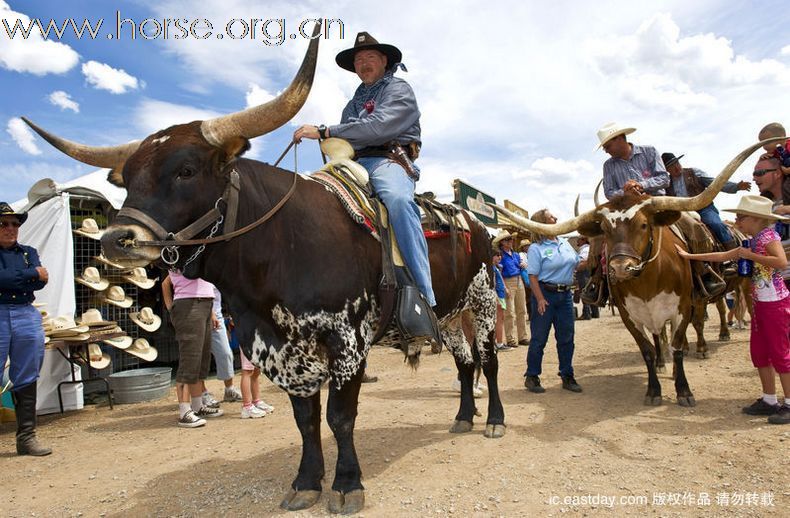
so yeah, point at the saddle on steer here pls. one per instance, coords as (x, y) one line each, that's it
(403, 305)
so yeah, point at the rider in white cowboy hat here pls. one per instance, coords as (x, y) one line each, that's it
(21, 330)
(382, 123)
(631, 167)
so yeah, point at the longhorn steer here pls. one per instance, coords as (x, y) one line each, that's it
(650, 283)
(303, 286)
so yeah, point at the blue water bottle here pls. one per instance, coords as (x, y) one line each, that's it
(745, 265)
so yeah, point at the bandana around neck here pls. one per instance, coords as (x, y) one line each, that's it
(364, 97)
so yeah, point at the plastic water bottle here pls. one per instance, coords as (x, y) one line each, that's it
(745, 265)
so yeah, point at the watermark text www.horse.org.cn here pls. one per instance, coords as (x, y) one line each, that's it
(668, 499)
(270, 31)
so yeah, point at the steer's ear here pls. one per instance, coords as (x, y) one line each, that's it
(663, 218)
(590, 229)
(235, 147)
(115, 176)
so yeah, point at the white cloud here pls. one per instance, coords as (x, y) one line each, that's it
(152, 115)
(23, 136)
(657, 67)
(104, 77)
(32, 54)
(785, 51)
(257, 95)
(64, 101)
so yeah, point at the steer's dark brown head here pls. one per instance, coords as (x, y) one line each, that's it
(176, 175)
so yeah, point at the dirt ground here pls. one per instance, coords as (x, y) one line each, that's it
(597, 452)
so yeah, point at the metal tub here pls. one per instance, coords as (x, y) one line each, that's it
(138, 385)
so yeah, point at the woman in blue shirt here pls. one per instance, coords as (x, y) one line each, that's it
(551, 263)
(21, 332)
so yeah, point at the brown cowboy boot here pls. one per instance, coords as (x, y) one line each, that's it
(26, 441)
(729, 269)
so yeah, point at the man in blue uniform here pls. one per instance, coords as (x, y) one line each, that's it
(21, 332)
(382, 123)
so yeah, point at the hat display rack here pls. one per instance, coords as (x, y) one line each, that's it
(108, 296)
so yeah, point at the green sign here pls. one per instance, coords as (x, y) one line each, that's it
(475, 201)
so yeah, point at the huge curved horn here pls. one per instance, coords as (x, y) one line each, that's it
(546, 229)
(705, 198)
(259, 120)
(576, 205)
(595, 195)
(110, 156)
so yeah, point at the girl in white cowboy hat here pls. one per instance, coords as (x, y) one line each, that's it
(769, 341)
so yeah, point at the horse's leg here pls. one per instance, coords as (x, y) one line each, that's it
(724, 329)
(698, 321)
(348, 495)
(306, 487)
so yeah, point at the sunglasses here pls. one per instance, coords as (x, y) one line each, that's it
(12, 224)
(761, 172)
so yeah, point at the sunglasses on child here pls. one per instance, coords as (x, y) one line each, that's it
(761, 172)
(12, 224)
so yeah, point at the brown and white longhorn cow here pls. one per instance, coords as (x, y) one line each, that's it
(649, 282)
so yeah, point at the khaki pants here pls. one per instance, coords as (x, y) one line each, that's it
(516, 311)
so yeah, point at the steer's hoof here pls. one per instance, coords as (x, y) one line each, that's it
(461, 427)
(350, 503)
(686, 401)
(653, 400)
(724, 338)
(494, 431)
(661, 369)
(297, 500)
(703, 355)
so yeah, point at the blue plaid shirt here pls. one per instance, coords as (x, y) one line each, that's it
(644, 165)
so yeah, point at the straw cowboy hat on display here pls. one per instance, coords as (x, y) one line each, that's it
(139, 278)
(120, 342)
(109, 263)
(98, 359)
(757, 206)
(503, 234)
(143, 350)
(146, 319)
(65, 326)
(117, 297)
(610, 131)
(92, 279)
(524, 242)
(89, 229)
(92, 318)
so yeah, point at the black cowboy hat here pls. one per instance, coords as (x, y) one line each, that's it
(6, 210)
(670, 158)
(364, 41)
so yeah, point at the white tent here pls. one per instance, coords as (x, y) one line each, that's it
(48, 229)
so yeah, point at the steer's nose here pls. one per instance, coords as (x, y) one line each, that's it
(120, 244)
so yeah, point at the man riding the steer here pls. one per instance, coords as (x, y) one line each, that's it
(689, 182)
(637, 169)
(382, 124)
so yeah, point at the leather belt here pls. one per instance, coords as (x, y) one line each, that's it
(558, 288)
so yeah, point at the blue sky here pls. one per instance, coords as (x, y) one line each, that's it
(511, 95)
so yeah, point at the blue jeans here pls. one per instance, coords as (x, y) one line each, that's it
(396, 189)
(220, 348)
(559, 313)
(22, 340)
(710, 216)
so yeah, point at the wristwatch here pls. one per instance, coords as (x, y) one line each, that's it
(322, 131)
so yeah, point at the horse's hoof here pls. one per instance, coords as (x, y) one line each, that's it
(297, 500)
(461, 427)
(653, 400)
(494, 431)
(724, 338)
(686, 401)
